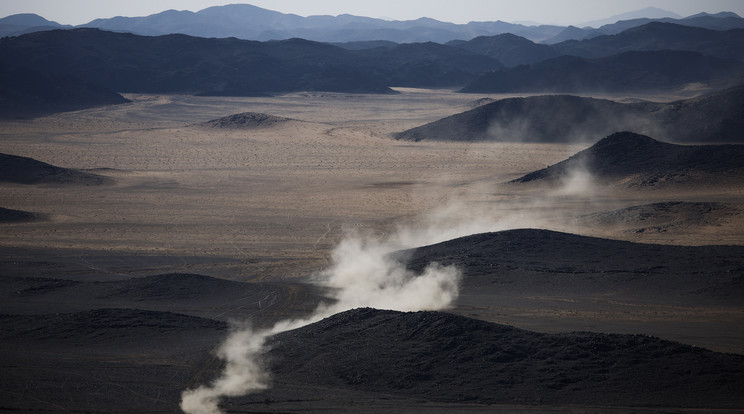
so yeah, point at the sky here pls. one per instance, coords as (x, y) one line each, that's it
(560, 12)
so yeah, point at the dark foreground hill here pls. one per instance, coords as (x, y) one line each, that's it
(631, 71)
(715, 118)
(24, 170)
(448, 358)
(546, 261)
(102, 360)
(638, 160)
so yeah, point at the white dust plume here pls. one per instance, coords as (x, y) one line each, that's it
(364, 273)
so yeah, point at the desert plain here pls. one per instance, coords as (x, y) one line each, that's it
(261, 207)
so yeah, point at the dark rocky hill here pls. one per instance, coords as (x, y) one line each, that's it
(23, 170)
(509, 49)
(246, 120)
(712, 118)
(443, 357)
(532, 257)
(639, 160)
(631, 71)
(549, 118)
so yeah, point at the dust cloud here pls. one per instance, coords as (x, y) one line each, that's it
(369, 270)
(364, 273)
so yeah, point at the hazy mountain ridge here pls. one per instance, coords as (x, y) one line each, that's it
(18, 24)
(250, 22)
(718, 21)
(245, 21)
(726, 44)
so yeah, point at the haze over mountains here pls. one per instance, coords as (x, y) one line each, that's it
(245, 21)
(67, 69)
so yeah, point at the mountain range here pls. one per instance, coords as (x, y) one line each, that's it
(67, 69)
(245, 21)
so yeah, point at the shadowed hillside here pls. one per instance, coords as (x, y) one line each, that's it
(23, 170)
(641, 161)
(728, 44)
(543, 261)
(713, 118)
(442, 357)
(8, 215)
(182, 64)
(632, 71)
(549, 118)
(25, 92)
(509, 49)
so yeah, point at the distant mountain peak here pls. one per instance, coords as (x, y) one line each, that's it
(648, 13)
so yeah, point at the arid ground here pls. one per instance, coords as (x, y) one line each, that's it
(266, 204)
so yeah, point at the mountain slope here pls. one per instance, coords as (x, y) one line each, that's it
(549, 118)
(23, 170)
(448, 358)
(727, 44)
(511, 50)
(712, 118)
(18, 24)
(633, 71)
(192, 65)
(641, 161)
(25, 92)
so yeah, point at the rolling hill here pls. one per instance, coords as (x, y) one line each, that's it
(637, 160)
(712, 118)
(442, 357)
(23, 170)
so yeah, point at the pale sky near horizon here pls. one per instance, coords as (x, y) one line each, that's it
(561, 12)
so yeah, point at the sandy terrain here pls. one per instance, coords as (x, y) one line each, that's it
(269, 203)
(284, 192)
